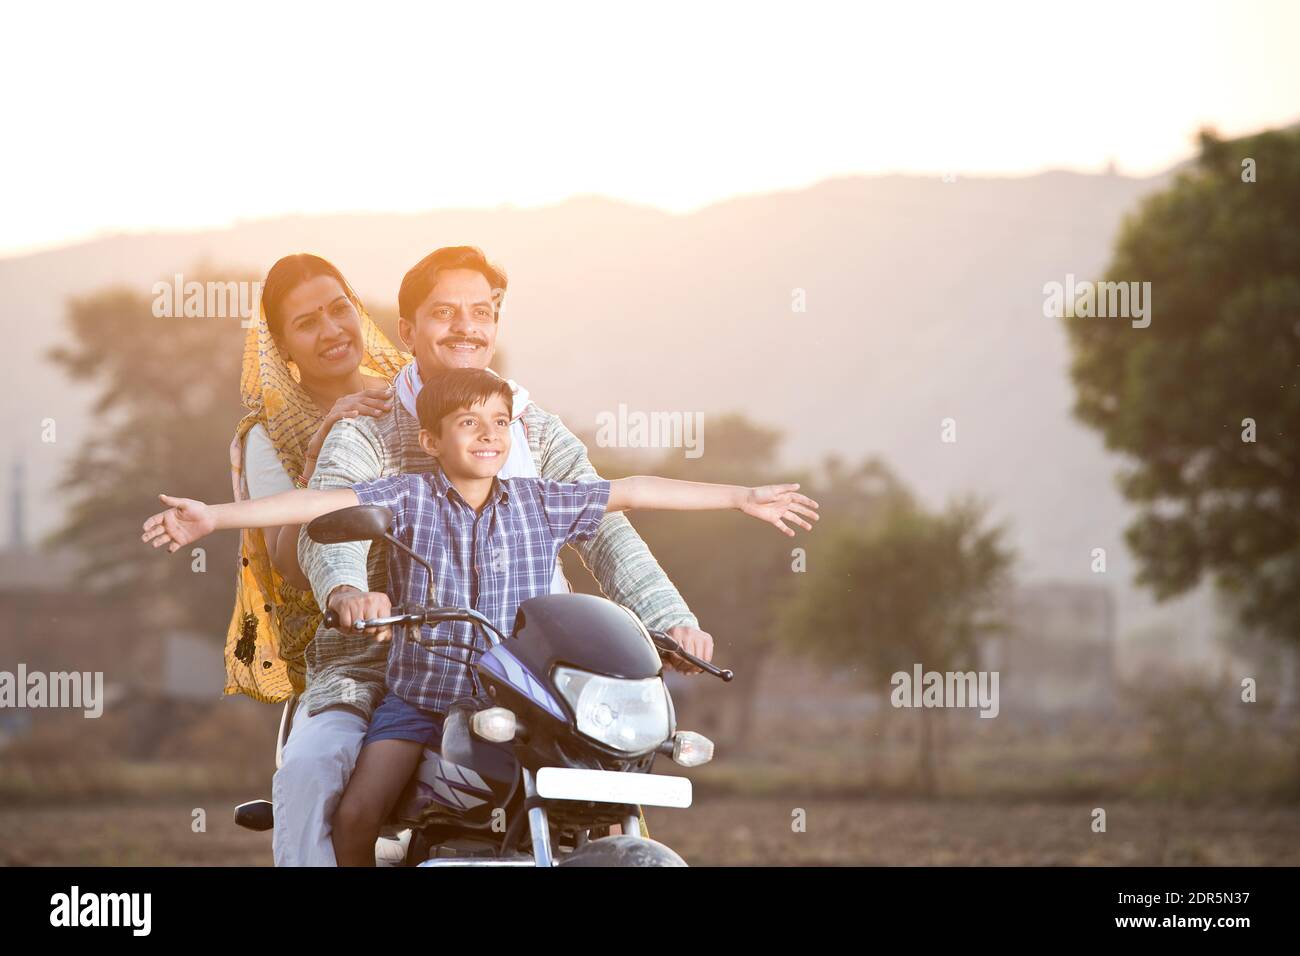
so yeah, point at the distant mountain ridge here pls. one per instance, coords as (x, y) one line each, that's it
(923, 302)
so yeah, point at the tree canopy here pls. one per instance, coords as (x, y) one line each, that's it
(167, 403)
(1204, 403)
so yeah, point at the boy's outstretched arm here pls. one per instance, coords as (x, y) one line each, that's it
(774, 504)
(187, 520)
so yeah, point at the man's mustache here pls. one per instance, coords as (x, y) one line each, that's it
(459, 339)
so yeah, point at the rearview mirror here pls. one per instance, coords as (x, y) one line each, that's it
(358, 523)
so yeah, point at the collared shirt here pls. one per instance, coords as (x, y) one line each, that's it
(490, 561)
(346, 668)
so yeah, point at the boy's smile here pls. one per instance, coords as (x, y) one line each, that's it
(472, 445)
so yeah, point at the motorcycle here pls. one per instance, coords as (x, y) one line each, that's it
(555, 746)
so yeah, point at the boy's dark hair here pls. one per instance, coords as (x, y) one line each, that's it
(423, 276)
(458, 388)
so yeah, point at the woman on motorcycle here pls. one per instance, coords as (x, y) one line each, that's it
(312, 357)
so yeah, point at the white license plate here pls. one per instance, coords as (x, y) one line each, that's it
(611, 786)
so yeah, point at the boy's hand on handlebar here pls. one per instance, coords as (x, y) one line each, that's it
(777, 504)
(352, 605)
(184, 522)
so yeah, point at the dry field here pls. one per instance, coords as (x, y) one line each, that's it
(724, 831)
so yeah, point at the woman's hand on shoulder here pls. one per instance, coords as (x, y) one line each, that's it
(374, 400)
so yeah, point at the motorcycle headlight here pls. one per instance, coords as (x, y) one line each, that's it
(629, 715)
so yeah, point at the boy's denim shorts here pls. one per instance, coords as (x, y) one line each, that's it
(395, 719)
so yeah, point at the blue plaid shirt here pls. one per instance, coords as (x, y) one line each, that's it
(491, 561)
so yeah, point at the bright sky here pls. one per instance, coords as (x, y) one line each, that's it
(123, 117)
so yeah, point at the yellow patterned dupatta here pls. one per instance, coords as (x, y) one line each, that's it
(273, 622)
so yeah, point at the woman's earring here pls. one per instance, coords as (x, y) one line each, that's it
(289, 363)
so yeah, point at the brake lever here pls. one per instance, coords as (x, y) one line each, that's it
(666, 643)
(426, 615)
(360, 625)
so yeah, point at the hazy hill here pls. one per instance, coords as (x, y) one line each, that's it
(924, 301)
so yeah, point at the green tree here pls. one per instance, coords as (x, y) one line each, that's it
(167, 403)
(1222, 351)
(913, 587)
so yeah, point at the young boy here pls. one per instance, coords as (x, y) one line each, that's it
(492, 545)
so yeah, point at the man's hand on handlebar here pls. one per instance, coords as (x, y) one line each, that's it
(352, 605)
(693, 641)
